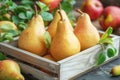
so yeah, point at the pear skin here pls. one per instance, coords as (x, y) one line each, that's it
(86, 32)
(10, 70)
(49, 56)
(64, 43)
(32, 38)
(8, 23)
(53, 25)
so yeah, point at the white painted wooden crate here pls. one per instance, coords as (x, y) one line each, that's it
(65, 69)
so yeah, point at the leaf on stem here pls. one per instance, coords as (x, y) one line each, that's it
(2, 56)
(101, 58)
(47, 38)
(111, 52)
(105, 37)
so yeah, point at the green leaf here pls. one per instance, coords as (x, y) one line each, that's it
(22, 15)
(9, 36)
(111, 52)
(46, 16)
(67, 7)
(101, 58)
(27, 2)
(29, 14)
(47, 38)
(42, 6)
(2, 56)
(16, 19)
(107, 33)
(106, 41)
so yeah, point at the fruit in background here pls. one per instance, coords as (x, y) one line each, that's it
(53, 25)
(92, 7)
(86, 31)
(110, 17)
(10, 70)
(64, 43)
(32, 38)
(51, 3)
(6, 24)
(115, 71)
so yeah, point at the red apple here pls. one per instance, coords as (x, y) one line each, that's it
(51, 3)
(110, 17)
(93, 7)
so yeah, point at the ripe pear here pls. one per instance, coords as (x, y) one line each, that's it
(86, 31)
(115, 71)
(53, 25)
(49, 56)
(10, 70)
(64, 43)
(32, 38)
(11, 24)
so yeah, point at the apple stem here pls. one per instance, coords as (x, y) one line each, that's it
(61, 15)
(79, 11)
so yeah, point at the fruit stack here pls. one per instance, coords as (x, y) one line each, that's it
(107, 15)
(59, 41)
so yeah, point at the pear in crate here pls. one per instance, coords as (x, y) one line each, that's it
(10, 70)
(64, 43)
(49, 56)
(32, 38)
(86, 31)
(53, 25)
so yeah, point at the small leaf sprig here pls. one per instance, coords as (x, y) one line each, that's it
(2, 56)
(104, 41)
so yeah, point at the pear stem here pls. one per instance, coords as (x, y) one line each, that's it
(61, 15)
(60, 6)
(79, 11)
(35, 7)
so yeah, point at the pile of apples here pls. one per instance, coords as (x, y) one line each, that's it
(107, 16)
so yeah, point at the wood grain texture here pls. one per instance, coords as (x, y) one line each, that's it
(65, 69)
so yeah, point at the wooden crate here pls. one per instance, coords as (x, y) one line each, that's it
(68, 68)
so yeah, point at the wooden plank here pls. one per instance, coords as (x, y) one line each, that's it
(35, 72)
(83, 61)
(30, 58)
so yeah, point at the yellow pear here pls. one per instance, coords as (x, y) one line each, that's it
(11, 24)
(32, 38)
(86, 31)
(53, 25)
(115, 71)
(10, 70)
(49, 56)
(64, 43)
